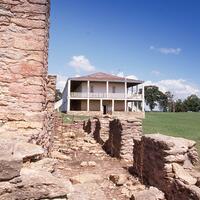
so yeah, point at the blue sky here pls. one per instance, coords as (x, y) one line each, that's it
(155, 40)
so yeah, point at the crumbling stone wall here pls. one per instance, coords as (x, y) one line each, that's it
(167, 163)
(45, 137)
(121, 137)
(24, 33)
(115, 135)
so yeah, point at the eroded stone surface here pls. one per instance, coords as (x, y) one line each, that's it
(151, 194)
(183, 175)
(25, 105)
(10, 168)
(166, 162)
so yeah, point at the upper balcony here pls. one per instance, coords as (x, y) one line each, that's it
(106, 96)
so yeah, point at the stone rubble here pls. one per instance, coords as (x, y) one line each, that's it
(24, 174)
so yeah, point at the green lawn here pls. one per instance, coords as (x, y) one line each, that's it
(71, 118)
(185, 125)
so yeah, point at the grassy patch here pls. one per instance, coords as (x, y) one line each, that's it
(71, 118)
(186, 125)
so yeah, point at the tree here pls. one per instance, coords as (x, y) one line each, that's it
(151, 96)
(179, 106)
(192, 103)
(58, 95)
(171, 103)
(163, 101)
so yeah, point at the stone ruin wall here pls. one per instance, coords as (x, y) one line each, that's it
(161, 161)
(45, 138)
(168, 164)
(24, 33)
(115, 135)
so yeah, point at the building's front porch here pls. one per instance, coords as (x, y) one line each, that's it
(102, 106)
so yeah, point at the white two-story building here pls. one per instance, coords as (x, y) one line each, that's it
(102, 93)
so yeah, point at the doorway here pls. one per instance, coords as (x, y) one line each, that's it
(104, 109)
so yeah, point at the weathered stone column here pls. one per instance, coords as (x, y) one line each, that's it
(24, 33)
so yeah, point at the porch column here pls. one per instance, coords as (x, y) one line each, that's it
(125, 89)
(88, 89)
(88, 105)
(113, 105)
(143, 99)
(88, 96)
(68, 104)
(137, 107)
(125, 105)
(137, 89)
(68, 95)
(107, 88)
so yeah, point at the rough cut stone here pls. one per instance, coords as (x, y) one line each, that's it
(60, 156)
(36, 185)
(27, 151)
(151, 194)
(46, 164)
(118, 179)
(86, 177)
(183, 175)
(9, 168)
(87, 191)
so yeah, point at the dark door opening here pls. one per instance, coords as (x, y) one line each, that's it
(104, 109)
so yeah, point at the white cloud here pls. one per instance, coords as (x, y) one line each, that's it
(156, 72)
(121, 74)
(61, 81)
(132, 77)
(164, 50)
(81, 63)
(180, 88)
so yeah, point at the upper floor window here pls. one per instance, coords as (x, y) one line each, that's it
(113, 89)
(91, 89)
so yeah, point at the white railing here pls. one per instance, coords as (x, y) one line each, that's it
(79, 94)
(104, 95)
(116, 95)
(134, 96)
(97, 95)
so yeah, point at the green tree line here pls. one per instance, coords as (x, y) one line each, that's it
(167, 103)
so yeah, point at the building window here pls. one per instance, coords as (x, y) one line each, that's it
(113, 89)
(91, 89)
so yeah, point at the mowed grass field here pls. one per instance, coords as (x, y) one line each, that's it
(185, 125)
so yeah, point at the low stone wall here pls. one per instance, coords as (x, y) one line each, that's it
(64, 131)
(115, 135)
(126, 115)
(167, 163)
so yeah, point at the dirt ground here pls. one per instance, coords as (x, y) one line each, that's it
(93, 173)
